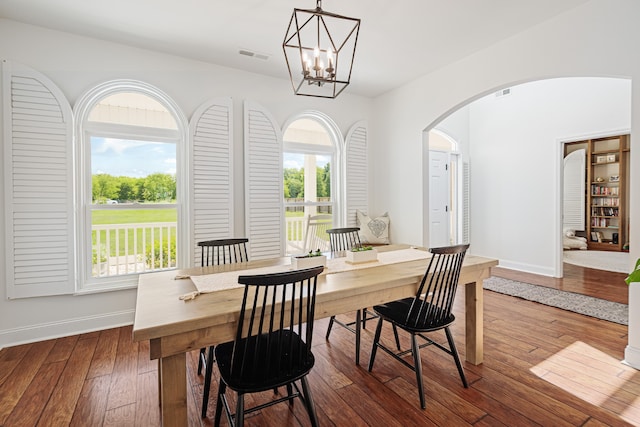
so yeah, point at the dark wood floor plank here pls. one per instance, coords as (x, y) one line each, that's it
(62, 403)
(62, 349)
(122, 391)
(122, 416)
(147, 400)
(543, 366)
(28, 410)
(13, 388)
(10, 358)
(105, 355)
(92, 402)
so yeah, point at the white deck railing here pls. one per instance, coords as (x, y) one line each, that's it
(133, 248)
(142, 247)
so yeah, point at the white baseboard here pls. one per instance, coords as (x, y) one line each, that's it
(632, 357)
(79, 325)
(527, 268)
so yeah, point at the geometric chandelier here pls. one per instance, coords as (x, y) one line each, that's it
(319, 48)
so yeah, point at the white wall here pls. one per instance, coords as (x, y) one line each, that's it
(76, 64)
(515, 153)
(596, 39)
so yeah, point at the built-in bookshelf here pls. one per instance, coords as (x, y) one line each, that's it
(607, 198)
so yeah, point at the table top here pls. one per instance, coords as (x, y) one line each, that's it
(160, 313)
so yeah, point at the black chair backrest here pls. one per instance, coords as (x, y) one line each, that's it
(434, 299)
(269, 333)
(223, 251)
(343, 239)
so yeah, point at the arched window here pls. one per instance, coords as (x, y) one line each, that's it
(131, 142)
(311, 178)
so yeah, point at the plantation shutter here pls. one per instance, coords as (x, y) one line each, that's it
(466, 203)
(264, 216)
(38, 163)
(574, 210)
(211, 134)
(357, 173)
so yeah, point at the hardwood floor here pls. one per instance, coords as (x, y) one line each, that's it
(543, 366)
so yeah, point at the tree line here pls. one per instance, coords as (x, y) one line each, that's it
(294, 182)
(157, 187)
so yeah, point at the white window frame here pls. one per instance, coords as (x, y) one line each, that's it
(336, 153)
(84, 130)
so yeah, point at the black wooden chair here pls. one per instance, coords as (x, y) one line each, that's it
(343, 239)
(217, 252)
(223, 251)
(272, 347)
(428, 311)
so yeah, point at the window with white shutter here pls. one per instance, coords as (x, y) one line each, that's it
(310, 181)
(357, 173)
(132, 181)
(38, 184)
(264, 218)
(212, 173)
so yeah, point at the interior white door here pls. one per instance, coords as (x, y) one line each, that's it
(439, 199)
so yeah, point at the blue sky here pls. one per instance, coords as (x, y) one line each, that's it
(295, 160)
(119, 157)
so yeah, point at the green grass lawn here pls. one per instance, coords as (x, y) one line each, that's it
(133, 216)
(127, 241)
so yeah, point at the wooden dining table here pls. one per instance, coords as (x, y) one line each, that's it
(174, 326)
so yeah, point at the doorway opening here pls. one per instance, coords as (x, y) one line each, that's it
(445, 192)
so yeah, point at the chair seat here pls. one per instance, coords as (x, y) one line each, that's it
(397, 311)
(265, 371)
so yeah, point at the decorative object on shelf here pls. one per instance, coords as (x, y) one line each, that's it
(601, 159)
(599, 179)
(614, 178)
(319, 48)
(611, 158)
(362, 254)
(312, 259)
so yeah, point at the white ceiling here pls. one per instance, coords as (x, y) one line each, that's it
(399, 40)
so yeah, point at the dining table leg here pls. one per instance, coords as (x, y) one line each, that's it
(474, 323)
(173, 392)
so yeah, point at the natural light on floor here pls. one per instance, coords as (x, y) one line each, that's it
(592, 376)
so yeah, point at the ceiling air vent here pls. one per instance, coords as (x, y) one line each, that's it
(503, 92)
(257, 55)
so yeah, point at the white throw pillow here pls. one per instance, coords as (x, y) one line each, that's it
(373, 230)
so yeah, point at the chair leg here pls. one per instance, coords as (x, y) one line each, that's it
(208, 372)
(358, 330)
(364, 318)
(395, 334)
(456, 357)
(415, 349)
(290, 393)
(239, 421)
(309, 401)
(221, 390)
(201, 357)
(374, 348)
(330, 325)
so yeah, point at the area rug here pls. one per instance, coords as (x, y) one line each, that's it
(600, 260)
(570, 301)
